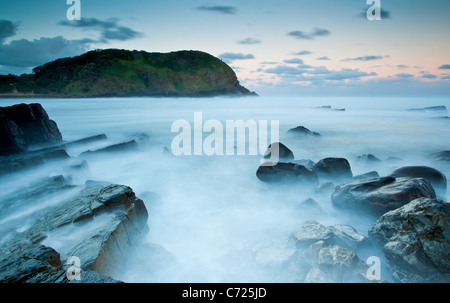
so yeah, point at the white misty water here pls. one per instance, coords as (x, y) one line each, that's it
(213, 212)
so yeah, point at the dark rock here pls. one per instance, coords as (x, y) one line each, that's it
(301, 130)
(435, 177)
(33, 121)
(286, 172)
(339, 109)
(368, 159)
(372, 174)
(11, 136)
(306, 163)
(416, 240)
(278, 152)
(333, 168)
(380, 195)
(121, 147)
(86, 140)
(441, 156)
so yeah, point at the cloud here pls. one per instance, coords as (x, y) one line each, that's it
(323, 58)
(404, 75)
(7, 29)
(225, 10)
(318, 32)
(428, 76)
(445, 66)
(109, 28)
(31, 53)
(230, 57)
(249, 41)
(294, 61)
(402, 66)
(366, 58)
(303, 53)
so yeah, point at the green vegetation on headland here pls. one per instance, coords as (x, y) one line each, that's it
(123, 73)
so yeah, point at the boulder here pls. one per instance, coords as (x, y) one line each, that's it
(305, 162)
(434, 176)
(416, 240)
(286, 173)
(380, 195)
(310, 232)
(347, 236)
(34, 123)
(441, 156)
(301, 130)
(277, 151)
(333, 168)
(11, 136)
(372, 174)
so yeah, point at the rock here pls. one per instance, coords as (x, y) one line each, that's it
(301, 130)
(380, 195)
(368, 159)
(441, 156)
(435, 177)
(333, 168)
(336, 264)
(280, 152)
(325, 188)
(310, 232)
(120, 147)
(33, 122)
(111, 220)
(346, 236)
(372, 174)
(11, 137)
(430, 108)
(86, 140)
(286, 172)
(305, 162)
(309, 206)
(416, 240)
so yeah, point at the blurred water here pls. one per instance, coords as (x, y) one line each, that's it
(213, 210)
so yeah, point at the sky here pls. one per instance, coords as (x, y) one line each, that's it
(283, 47)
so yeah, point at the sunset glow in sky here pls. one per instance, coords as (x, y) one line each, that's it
(295, 47)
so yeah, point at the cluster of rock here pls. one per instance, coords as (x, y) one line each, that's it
(412, 226)
(113, 218)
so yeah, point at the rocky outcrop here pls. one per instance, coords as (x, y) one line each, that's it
(334, 169)
(25, 125)
(416, 240)
(434, 176)
(119, 147)
(380, 195)
(111, 220)
(286, 173)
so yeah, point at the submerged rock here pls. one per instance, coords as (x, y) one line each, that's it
(333, 168)
(434, 176)
(380, 195)
(286, 173)
(416, 240)
(301, 130)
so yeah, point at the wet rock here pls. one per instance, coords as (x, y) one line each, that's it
(121, 220)
(416, 240)
(346, 236)
(306, 163)
(333, 168)
(434, 176)
(278, 152)
(310, 232)
(325, 188)
(86, 140)
(372, 174)
(27, 124)
(286, 172)
(301, 130)
(380, 195)
(120, 147)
